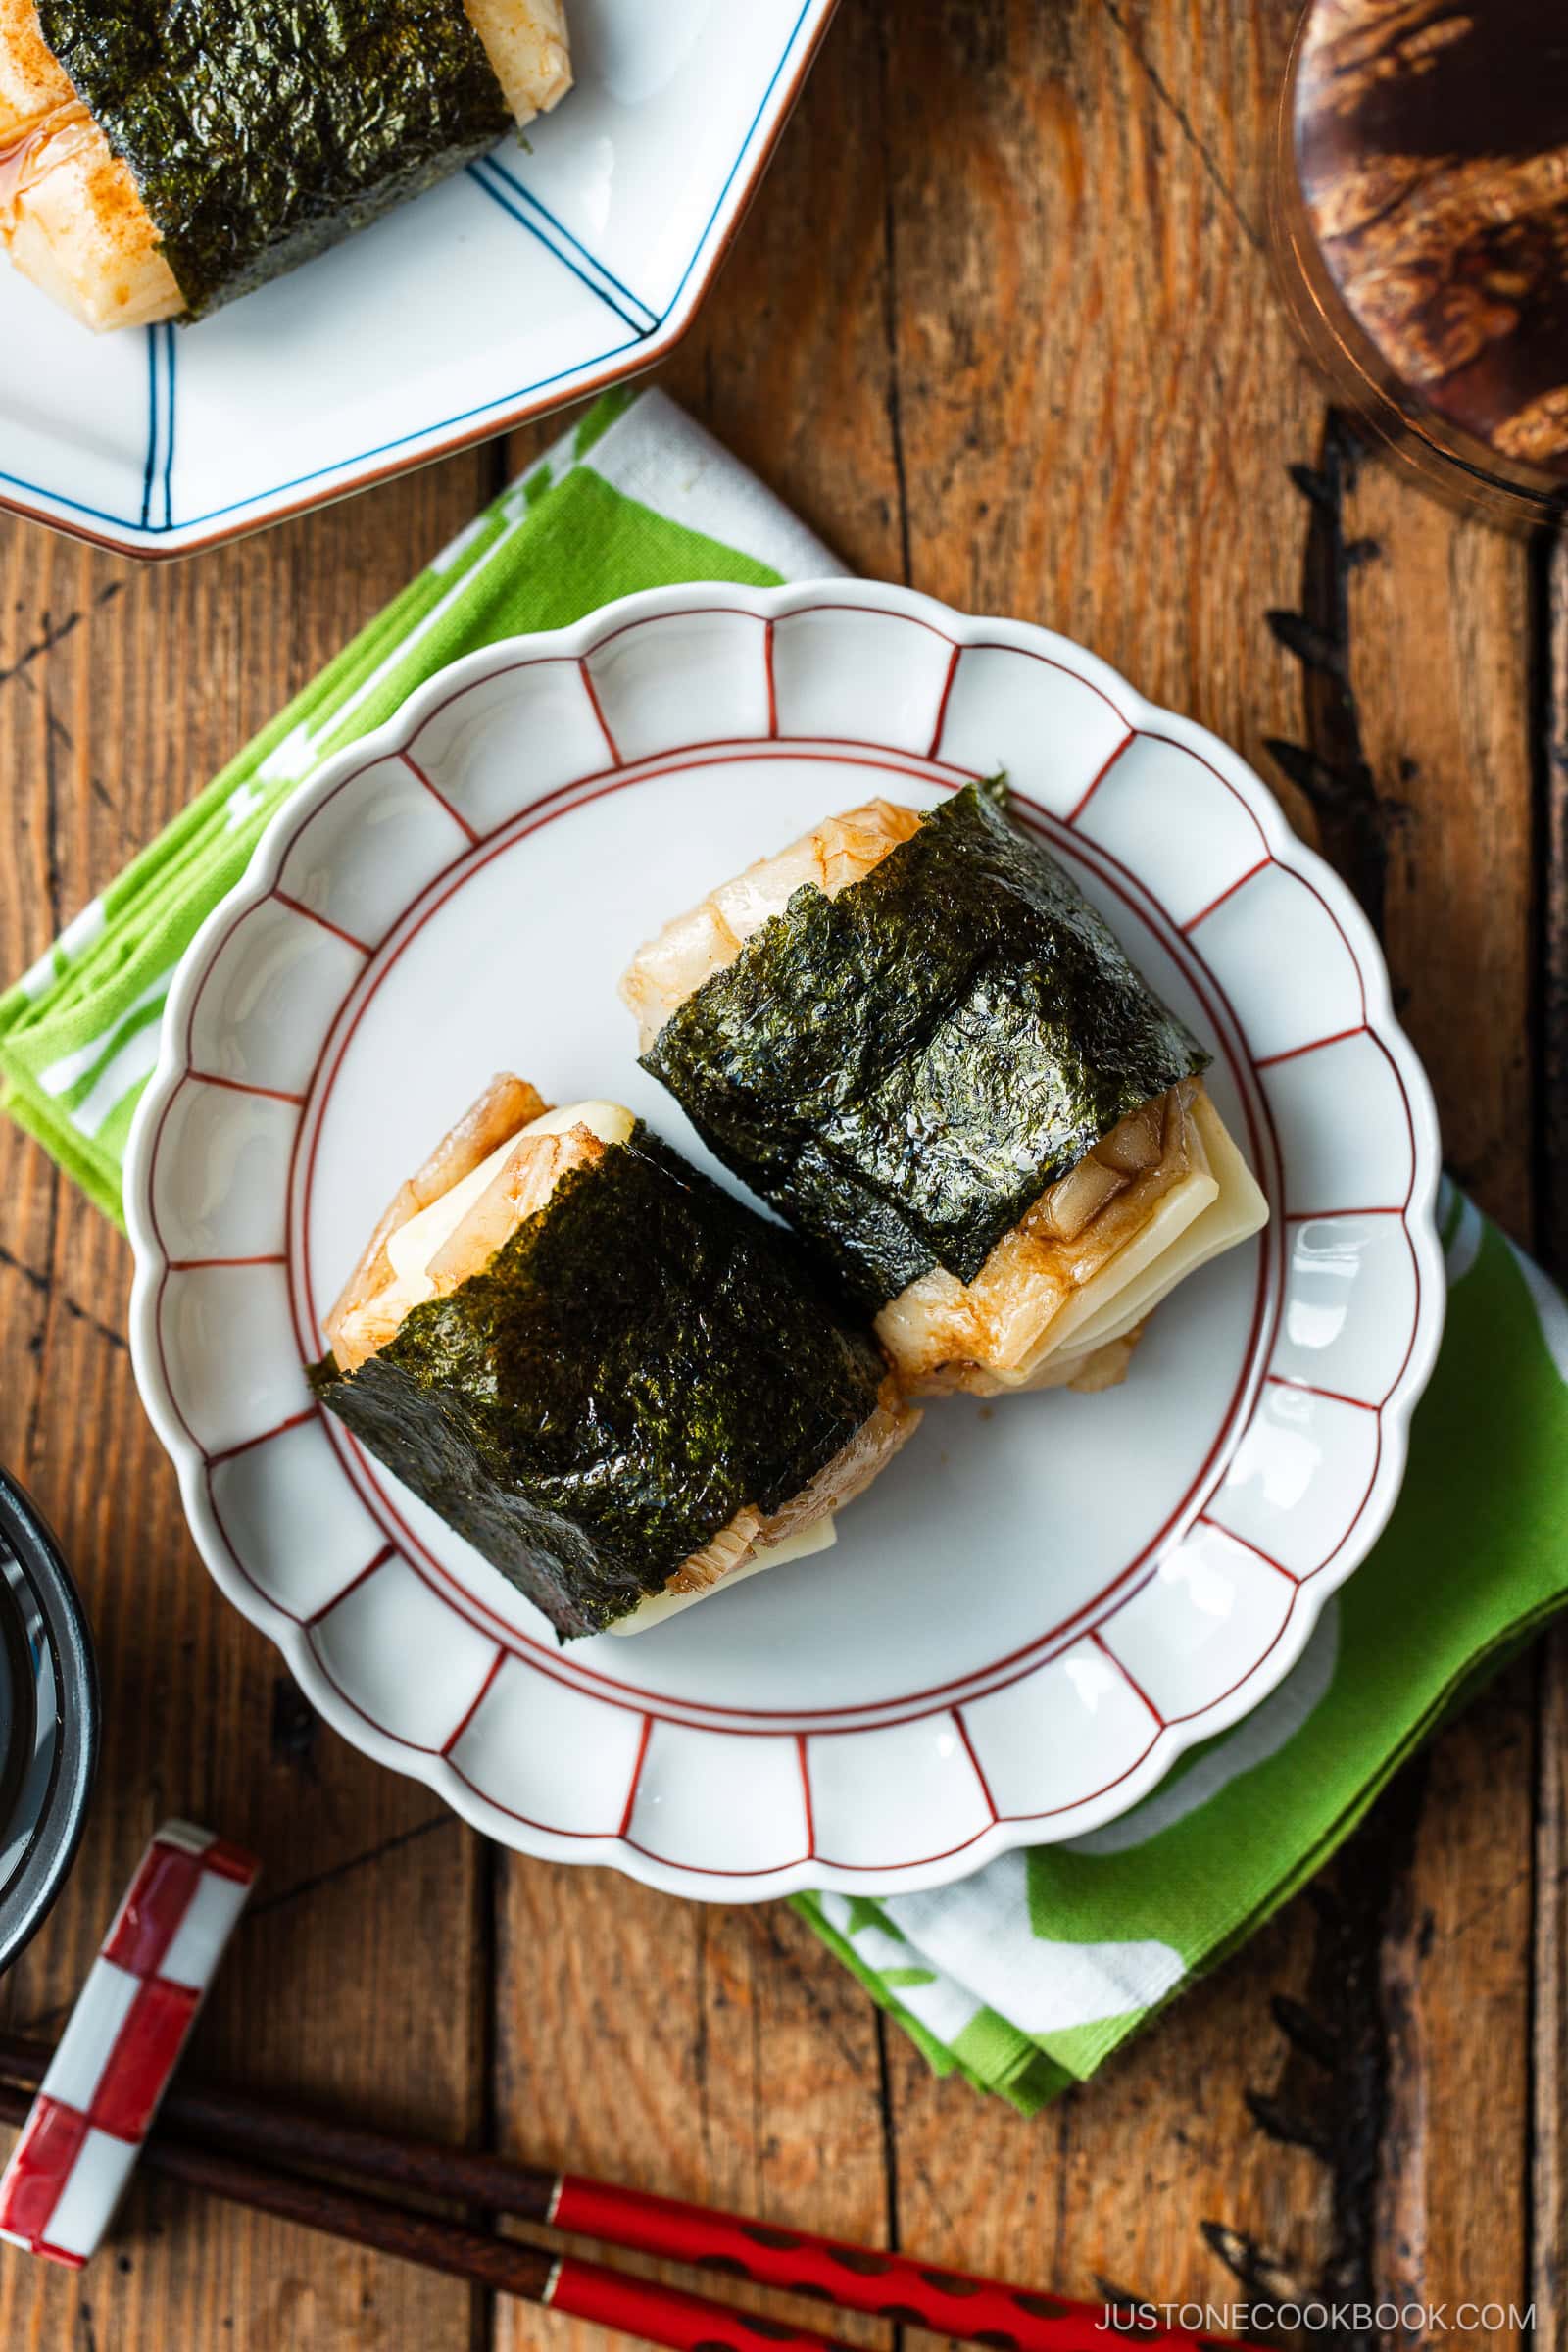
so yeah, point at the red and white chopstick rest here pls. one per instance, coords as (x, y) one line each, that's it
(96, 2104)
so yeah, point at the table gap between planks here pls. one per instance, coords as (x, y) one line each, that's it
(999, 326)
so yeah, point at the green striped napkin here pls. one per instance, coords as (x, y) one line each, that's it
(1027, 1975)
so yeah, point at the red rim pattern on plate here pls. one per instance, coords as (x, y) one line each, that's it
(1093, 1622)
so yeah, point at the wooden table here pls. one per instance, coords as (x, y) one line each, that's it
(999, 326)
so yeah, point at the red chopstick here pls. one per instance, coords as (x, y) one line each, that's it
(862, 2278)
(588, 2290)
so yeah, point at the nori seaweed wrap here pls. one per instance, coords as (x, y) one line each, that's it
(918, 1040)
(156, 161)
(615, 1381)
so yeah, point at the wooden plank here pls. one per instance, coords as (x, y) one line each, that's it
(1439, 614)
(1412, 1962)
(1457, 1995)
(706, 2052)
(1441, 620)
(715, 2053)
(1095, 422)
(1415, 759)
(123, 688)
(790, 361)
(1163, 528)
(1549, 2284)
(1079, 452)
(1552, 1158)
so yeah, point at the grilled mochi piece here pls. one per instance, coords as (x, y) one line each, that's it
(117, 202)
(622, 1386)
(1062, 1295)
(71, 218)
(526, 43)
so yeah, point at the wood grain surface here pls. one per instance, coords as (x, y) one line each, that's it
(1000, 324)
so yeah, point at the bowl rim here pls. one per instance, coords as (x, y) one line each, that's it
(52, 1845)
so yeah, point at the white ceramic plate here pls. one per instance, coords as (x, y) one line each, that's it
(534, 278)
(1040, 1604)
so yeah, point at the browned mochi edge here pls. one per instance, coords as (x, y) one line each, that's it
(71, 216)
(72, 219)
(522, 1185)
(940, 1334)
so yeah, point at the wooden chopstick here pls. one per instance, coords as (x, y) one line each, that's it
(862, 2278)
(587, 2290)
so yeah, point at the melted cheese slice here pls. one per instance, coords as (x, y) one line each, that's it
(1208, 1213)
(412, 1247)
(655, 1607)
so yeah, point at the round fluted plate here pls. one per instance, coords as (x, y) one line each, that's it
(1040, 1604)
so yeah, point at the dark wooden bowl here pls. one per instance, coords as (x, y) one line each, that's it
(1421, 225)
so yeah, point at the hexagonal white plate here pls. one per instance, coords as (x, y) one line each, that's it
(1040, 1603)
(539, 274)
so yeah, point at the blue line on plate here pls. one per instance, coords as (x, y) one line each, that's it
(476, 172)
(151, 333)
(169, 348)
(697, 254)
(653, 317)
(191, 521)
(211, 513)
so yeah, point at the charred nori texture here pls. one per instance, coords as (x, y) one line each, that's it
(903, 1069)
(259, 134)
(638, 1362)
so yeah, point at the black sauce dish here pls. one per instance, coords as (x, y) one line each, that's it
(48, 1719)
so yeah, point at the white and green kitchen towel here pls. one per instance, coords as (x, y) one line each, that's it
(1029, 1973)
